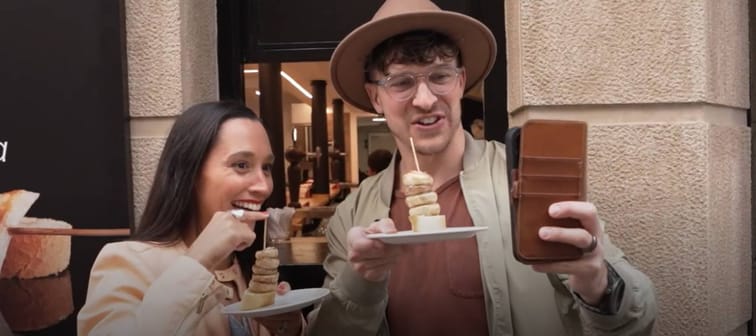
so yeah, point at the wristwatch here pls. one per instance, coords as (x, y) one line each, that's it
(612, 298)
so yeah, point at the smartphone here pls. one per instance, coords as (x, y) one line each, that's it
(546, 161)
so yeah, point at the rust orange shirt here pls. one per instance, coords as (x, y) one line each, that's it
(436, 288)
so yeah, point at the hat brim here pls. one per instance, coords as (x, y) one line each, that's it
(475, 41)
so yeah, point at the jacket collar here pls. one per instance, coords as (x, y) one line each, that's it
(474, 150)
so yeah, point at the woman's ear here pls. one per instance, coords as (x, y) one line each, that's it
(372, 92)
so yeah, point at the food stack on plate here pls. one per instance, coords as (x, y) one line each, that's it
(262, 287)
(35, 285)
(424, 213)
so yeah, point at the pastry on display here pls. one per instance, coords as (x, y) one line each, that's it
(13, 206)
(35, 285)
(32, 256)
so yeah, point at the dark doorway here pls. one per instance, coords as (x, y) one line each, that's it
(290, 31)
(276, 32)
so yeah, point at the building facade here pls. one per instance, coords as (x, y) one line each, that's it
(664, 86)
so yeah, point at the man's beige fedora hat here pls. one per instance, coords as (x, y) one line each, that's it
(475, 41)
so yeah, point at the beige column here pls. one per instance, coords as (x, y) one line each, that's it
(664, 87)
(172, 64)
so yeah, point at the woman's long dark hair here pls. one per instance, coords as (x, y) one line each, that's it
(172, 200)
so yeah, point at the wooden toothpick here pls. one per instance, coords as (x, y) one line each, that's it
(265, 233)
(412, 143)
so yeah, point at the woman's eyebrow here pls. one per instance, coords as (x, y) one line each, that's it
(243, 154)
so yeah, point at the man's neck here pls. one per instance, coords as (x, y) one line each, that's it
(441, 166)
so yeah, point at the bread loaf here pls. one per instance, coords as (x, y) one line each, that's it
(31, 299)
(261, 291)
(34, 256)
(35, 304)
(13, 206)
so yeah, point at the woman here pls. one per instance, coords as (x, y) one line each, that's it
(180, 269)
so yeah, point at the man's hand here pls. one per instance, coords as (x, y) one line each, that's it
(371, 258)
(587, 275)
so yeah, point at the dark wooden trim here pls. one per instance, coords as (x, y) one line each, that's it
(321, 27)
(231, 34)
(126, 116)
(496, 118)
(751, 120)
(294, 52)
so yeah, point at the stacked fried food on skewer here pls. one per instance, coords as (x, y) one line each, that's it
(262, 287)
(424, 212)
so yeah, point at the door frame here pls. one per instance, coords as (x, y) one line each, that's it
(237, 46)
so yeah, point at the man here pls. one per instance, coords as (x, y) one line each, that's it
(413, 63)
(378, 160)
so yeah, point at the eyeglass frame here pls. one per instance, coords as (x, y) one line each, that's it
(382, 82)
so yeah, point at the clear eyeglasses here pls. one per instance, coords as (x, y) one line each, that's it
(402, 86)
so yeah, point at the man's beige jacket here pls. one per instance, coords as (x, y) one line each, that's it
(518, 300)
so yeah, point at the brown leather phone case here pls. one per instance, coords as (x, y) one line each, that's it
(550, 168)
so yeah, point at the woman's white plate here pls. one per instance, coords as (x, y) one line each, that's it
(411, 237)
(291, 301)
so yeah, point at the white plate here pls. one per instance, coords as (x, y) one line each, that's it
(411, 237)
(291, 301)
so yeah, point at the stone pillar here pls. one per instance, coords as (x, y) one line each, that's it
(664, 88)
(320, 138)
(172, 64)
(338, 137)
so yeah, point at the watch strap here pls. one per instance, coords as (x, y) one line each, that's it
(612, 298)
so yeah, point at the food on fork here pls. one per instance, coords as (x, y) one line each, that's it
(424, 212)
(262, 288)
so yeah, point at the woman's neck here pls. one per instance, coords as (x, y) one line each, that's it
(191, 233)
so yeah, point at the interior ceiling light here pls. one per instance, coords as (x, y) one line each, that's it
(289, 79)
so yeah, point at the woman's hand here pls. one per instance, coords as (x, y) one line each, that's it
(283, 324)
(587, 275)
(224, 234)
